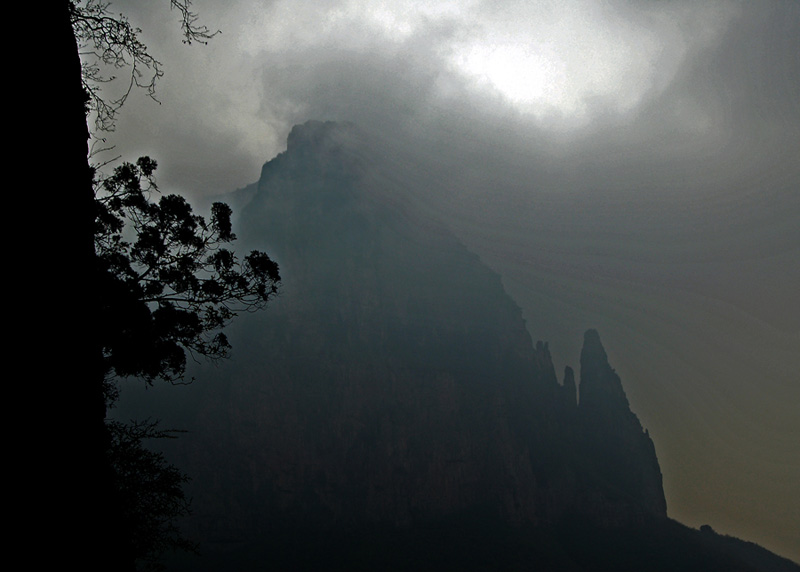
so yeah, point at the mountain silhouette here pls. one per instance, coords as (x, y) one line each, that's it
(390, 410)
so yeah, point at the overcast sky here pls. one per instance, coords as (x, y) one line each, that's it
(632, 166)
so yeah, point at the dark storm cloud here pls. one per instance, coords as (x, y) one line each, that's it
(450, 67)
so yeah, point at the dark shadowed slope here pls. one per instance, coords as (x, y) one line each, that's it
(391, 412)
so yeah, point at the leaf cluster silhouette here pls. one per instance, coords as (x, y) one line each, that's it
(149, 492)
(167, 286)
(166, 281)
(132, 325)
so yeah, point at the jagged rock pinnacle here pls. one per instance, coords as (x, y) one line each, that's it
(628, 456)
(600, 386)
(593, 346)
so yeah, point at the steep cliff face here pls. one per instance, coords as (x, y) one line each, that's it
(616, 447)
(394, 382)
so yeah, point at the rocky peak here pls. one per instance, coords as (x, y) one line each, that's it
(600, 387)
(619, 450)
(320, 136)
(327, 147)
(394, 381)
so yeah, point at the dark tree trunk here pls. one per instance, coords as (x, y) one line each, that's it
(72, 506)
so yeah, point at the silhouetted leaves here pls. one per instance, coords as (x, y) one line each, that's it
(149, 492)
(167, 284)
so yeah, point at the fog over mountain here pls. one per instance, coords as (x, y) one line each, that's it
(626, 166)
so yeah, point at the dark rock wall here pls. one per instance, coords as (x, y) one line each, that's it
(393, 381)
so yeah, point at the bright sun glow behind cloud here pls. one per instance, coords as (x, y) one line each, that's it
(569, 61)
(528, 78)
(560, 62)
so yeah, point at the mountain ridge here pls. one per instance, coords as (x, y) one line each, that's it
(394, 385)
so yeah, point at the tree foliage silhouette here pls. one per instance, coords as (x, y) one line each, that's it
(118, 309)
(167, 283)
(167, 286)
(149, 493)
(108, 43)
